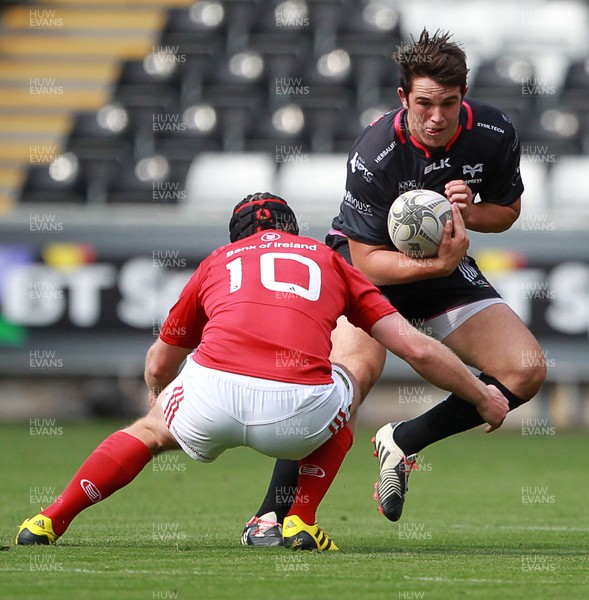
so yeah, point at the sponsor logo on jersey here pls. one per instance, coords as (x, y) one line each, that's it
(357, 205)
(408, 184)
(270, 236)
(91, 490)
(441, 164)
(386, 151)
(472, 171)
(491, 127)
(357, 164)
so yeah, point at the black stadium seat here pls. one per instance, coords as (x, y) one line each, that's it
(151, 180)
(40, 187)
(575, 89)
(506, 82)
(370, 28)
(107, 133)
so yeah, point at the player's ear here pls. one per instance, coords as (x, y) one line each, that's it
(465, 91)
(403, 97)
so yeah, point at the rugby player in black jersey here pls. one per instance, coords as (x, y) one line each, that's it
(469, 152)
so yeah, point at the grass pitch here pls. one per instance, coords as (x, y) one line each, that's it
(487, 516)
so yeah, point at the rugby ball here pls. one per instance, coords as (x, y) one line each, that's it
(416, 222)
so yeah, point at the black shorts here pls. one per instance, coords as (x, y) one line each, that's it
(428, 298)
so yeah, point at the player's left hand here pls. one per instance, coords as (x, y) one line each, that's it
(458, 192)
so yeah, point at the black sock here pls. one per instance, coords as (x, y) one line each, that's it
(451, 416)
(281, 490)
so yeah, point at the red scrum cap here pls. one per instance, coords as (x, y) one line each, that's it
(261, 211)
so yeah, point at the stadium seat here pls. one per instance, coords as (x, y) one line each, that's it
(196, 35)
(152, 83)
(314, 185)
(477, 24)
(241, 16)
(282, 131)
(60, 182)
(371, 28)
(107, 133)
(237, 73)
(201, 19)
(233, 111)
(330, 80)
(506, 82)
(535, 198)
(351, 125)
(184, 144)
(558, 27)
(551, 133)
(150, 180)
(575, 88)
(568, 186)
(377, 77)
(215, 181)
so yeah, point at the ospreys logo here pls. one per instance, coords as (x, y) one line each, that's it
(472, 171)
(357, 164)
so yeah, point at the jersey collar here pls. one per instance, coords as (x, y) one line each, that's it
(402, 129)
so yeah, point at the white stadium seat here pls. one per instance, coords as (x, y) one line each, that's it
(315, 184)
(568, 185)
(535, 178)
(217, 181)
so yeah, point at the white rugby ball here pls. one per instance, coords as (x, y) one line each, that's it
(416, 222)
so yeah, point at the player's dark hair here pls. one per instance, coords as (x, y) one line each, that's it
(261, 211)
(433, 56)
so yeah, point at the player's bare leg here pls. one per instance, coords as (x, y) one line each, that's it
(496, 342)
(112, 465)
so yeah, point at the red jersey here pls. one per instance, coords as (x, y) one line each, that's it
(265, 306)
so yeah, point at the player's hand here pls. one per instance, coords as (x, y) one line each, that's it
(494, 409)
(459, 193)
(454, 242)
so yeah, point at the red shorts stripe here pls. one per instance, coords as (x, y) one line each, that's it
(173, 403)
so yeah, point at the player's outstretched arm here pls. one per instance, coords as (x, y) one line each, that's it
(439, 365)
(161, 366)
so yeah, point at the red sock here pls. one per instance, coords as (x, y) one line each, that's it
(114, 464)
(317, 471)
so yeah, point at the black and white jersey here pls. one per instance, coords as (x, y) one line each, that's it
(386, 160)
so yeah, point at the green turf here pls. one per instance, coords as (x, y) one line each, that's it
(468, 531)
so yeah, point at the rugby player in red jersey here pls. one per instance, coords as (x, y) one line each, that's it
(254, 323)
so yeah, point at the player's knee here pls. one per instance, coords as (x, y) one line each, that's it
(527, 378)
(150, 432)
(536, 377)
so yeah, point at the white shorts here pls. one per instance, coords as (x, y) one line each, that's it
(443, 325)
(208, 411)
